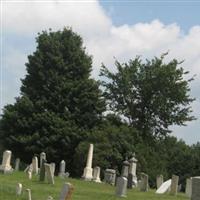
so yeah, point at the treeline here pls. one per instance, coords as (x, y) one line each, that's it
(61, 109)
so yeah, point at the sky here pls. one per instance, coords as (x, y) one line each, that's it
(110, 30)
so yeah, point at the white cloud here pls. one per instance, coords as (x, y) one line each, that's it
(102, 38)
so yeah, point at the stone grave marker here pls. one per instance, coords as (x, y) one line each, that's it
(159, 181)
(42, 170)
(125, 169)
(96, 174)
(110, 176)
(121, 187)
(49, 174)
(195, 188)
(144, 185)
(17, 162)
(62, 169)
(174, 185)
(5, 167)
(28, 194)
(165, 187)
(188, 188)
(19, 189)
(66, 191)
(35, 165)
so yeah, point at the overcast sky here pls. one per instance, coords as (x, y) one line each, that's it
(110, 29)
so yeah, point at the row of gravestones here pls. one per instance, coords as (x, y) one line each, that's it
(66, 192)
(127, 179)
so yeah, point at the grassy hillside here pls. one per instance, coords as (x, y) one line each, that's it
(83, 190)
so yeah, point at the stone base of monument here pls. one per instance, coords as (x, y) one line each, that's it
(87, 174)
(6, 169)
(97, 180)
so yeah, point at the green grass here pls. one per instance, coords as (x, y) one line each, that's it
(83, 190)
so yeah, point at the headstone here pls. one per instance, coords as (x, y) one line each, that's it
(62, 169)
(29, 175)
(87, 174)
(125, 168)
(110, 176)
(132, 173)
(42, 156)
(35, 165)
(188, 189)
(49, 174)
(17, 162)
(165, 187)
(174, 185)
(42, 170)
(50, 198)
(53, 167)
(19, 189)
(159, 181)
(144, 185)
(195, 188)
(5, 167)
(28, 193)
(96, 174)
(121, 187)
(66, 191)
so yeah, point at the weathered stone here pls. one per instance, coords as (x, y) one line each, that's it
(5, 167)
(125, 169)
(17, 162)
(49, 174)
(188, 188)
(53, 167)
(42, 170)
(42, 156)
(174, 185)
(66, 191)
(144, 185)
(28, 194)
(62, 169)
(110, 176)
(29, 175)
(87, 174)
(195, 188)
(19, 189)
(159, 181)
(132, 173)
(35, 165)
(96, 174)
(121, 187)
(165, 187)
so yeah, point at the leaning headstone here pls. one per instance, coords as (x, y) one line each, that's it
(125, 168)
(42, 170)
(132, 178)
(121, 187)
(96, 174)
(188, 189)
(5, 167)
(49, 174)
(195, 188)
(174, 185)
(17, 162)
(42, 156)
(159, 181)
(66, 191)
(165, 187)
(62, 169)
(144, 185)
(87, 174)
(28, 194)
(53, 167)
(35, 165)
(110, 176)
(19, 189)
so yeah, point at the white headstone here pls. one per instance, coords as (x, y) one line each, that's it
(96, 174)
(144, 185)
(5, 166)
(29, 175)
(66, 191)
(42, 156)
(35, 165)
(28, 192)
(19, 189)
(121, 187)
(195, 188)
(53, 167)
(87, 174)
(164, 187)
(62, 169)
(132, 173)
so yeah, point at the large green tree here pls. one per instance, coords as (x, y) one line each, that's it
(58, 101)
(151, 95)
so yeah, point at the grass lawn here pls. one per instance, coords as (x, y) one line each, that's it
(83, 190)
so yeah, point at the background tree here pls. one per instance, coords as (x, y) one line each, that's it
(58, 101)
(152, 95)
